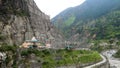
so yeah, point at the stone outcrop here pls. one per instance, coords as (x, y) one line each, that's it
(20, 20)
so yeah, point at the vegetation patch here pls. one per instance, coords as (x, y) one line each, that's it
(2, 37)
(50, 58)
(55, 58)
(69, 21)
(117, 54)
(4, 48)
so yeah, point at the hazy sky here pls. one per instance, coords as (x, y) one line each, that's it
(53, 7)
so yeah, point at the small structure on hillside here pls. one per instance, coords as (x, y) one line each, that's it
(33, 43)
(48, 45)
(69, 47)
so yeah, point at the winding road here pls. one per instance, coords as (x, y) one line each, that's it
(114, 62)
(103, 61)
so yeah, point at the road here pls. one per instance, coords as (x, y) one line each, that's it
(114, 62)
(103, 61)
(91, 66)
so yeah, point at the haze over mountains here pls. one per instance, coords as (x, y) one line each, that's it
(95, 18)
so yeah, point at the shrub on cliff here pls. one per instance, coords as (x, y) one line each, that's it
(117, 54)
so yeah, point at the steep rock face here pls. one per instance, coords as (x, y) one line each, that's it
(20, 20)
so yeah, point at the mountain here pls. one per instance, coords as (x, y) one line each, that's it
(98, 19)
(20, 20)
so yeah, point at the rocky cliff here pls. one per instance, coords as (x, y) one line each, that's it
(20, 20)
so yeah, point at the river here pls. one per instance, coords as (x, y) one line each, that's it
(114, 62)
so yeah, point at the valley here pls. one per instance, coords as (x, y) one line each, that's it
(84, 36)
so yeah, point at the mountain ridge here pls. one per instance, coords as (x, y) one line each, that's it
(84, 14)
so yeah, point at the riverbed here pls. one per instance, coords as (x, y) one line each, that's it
(114, 62)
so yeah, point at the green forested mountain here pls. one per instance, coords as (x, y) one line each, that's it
(107, 26)
(100, 19)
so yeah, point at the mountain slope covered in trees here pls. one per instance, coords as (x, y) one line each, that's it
(99, 19)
